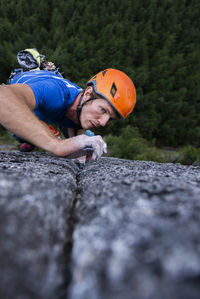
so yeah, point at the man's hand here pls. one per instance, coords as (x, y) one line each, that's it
(98, 145)
(68, 146)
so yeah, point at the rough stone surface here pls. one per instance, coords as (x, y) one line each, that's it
(112, 229)
(36, 194)
(137, 231)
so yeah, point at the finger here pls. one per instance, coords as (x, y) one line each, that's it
(94, 156)
(105, 148)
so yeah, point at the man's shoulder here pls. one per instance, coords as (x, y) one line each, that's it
(34, 75)
(38, 75)
(25, 76)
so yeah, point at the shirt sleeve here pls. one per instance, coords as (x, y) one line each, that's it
(49, 95)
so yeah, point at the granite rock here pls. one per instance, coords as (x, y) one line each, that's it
(111, 229)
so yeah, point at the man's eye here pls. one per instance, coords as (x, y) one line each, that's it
(103, 110)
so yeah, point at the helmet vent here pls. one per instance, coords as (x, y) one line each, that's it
(104, 72)
(113, 90)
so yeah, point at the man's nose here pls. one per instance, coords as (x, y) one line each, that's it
(104, 119)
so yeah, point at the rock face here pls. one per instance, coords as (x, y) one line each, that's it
(36, 197)
(113, 229)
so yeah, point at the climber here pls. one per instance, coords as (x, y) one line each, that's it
(41, 96)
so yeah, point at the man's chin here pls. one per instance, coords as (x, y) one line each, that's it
(85, 127)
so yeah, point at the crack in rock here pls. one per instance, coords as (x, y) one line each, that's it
(114, 229)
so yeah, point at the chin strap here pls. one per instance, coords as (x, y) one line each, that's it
(80, 106)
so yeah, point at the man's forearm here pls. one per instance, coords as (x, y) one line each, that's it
(16, 115)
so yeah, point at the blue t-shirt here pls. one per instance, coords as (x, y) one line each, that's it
(53, 94)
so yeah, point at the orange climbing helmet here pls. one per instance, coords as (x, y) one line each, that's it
(117, 88)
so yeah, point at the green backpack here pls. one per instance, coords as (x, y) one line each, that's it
(30, 59)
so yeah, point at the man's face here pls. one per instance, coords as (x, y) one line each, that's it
(97, 113)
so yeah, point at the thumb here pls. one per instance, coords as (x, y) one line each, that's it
(105, 148)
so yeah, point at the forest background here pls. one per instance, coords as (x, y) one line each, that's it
(157, 43)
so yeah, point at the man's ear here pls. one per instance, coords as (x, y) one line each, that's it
(87, 93)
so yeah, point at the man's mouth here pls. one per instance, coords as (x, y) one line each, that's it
(92, 125)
